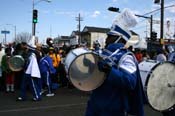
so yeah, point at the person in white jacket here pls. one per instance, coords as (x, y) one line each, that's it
(31, 74)
(2, 79)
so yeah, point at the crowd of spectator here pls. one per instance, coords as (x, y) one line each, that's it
(11, 81)
(52, 58)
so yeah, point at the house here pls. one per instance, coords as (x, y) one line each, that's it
(90, 34)
(62, 40)
(74, 38)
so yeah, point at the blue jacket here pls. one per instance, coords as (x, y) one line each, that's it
(122, 90)
(45, 64)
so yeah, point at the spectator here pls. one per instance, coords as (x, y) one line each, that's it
(161, 56)
(145, 55)
(8, 73)
(138, 55)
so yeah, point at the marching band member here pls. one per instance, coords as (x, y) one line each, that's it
(46, 69)
(122, 92)
(31, 75)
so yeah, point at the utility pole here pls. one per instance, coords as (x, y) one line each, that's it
(51, 31)
(151, 26)
(15, 32)
(35, 14)
(151, 22)
(79, 19)
(33, 24)
(162, 20)
(174, 30)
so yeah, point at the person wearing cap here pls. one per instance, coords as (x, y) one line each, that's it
(56, 59)
(49, 42)
(121, 93)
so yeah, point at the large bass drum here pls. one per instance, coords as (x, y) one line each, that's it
(82, 69)
(161, 87)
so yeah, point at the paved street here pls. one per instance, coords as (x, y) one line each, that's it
(66, 102)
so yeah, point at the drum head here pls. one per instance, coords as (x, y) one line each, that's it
(84, 73)
(160, 96)
(72, 55)
(16, 63)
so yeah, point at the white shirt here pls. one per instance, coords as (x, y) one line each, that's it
(33, 68)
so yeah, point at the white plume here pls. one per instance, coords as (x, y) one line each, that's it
(126, 19)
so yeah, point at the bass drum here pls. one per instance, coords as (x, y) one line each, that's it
(82, 69)
(146, 67)
(161, 86)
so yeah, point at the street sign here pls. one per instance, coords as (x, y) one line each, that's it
(5, 32)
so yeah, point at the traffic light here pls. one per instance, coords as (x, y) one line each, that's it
(156, 1)
(35, 16)
(114, 9)
(153, 35)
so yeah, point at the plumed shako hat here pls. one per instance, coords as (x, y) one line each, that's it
(122, 23)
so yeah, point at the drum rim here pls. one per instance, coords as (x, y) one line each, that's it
(71, 51)
(77, 57)
(147, 77)
(152, 69)
(173, 106)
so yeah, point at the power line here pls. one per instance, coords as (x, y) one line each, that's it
(159, 9)
(79, 19)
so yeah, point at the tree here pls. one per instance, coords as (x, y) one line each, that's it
(23, 37)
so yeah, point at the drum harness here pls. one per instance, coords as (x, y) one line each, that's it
(112, 59)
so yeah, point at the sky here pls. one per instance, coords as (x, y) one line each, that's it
(58, 18)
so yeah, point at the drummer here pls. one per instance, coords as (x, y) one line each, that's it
(121, 93)
(31, 74)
